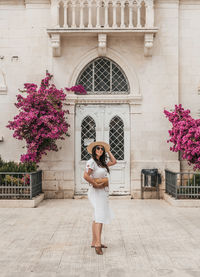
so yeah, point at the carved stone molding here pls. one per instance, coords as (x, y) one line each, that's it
(73, 99)
(134, 101)
(170, 1)
(12, 2)
(102, 44)
(189, 2)
(148, 44)
(55, 43)
(3, 87)
(103, 35)
(38, 2)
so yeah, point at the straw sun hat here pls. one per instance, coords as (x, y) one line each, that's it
(102, 143)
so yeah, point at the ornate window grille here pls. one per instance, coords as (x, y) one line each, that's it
(88, 132)
(103, 76)
(116, 137)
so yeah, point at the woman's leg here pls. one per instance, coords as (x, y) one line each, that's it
(98, 227)
(101, 227)
(101, 233)
(93, 233)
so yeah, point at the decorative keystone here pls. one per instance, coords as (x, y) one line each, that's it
(102, 44)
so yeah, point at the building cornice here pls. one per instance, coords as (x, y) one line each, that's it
(24, 2)
(12, 2)
(189, 2)
(167, 2)
(38, 2)
(177, 2)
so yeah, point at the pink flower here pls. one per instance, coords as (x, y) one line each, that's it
(41, 119)
(78, 89)
(185, 135)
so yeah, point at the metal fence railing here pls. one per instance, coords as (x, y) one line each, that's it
(20, 185)
(182, 185)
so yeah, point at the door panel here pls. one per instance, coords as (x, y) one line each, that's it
(105, 117)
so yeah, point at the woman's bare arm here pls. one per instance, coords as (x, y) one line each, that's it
(90, 180)
(112, 159)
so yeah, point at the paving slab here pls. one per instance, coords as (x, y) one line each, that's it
(147, 238)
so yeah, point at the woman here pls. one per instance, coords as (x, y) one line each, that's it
(98, 193)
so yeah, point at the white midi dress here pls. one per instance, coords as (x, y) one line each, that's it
(99, 198)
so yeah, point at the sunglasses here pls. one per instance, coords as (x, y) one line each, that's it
(98, 148)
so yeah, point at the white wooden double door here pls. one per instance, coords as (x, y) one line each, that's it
(109, 123)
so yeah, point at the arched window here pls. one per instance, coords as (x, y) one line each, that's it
(103, 76)
(88, 134)
(116, 137)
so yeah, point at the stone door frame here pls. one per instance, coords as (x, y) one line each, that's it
(102, 115)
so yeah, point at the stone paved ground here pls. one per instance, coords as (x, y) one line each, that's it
(146, 238)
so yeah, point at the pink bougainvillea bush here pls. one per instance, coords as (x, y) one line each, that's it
(185, 135)
(41, 120)
(78, 89)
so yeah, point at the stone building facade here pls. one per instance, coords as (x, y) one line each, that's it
(135, 58)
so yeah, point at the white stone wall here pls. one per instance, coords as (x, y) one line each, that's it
(189, 41)
(168, 77)
(25, 48)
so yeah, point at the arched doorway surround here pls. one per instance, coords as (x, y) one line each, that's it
(135, 93)
(133, 100)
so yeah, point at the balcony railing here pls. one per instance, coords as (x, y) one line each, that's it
(106, 14)
(102, 17)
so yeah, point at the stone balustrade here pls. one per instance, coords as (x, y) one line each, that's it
(105, 14)
(102, 17)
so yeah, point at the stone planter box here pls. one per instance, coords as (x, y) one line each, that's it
(189, 203)
(22, 203)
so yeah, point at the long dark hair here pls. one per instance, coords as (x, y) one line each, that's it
(102, 160)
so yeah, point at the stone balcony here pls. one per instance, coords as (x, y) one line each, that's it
(102, 18)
